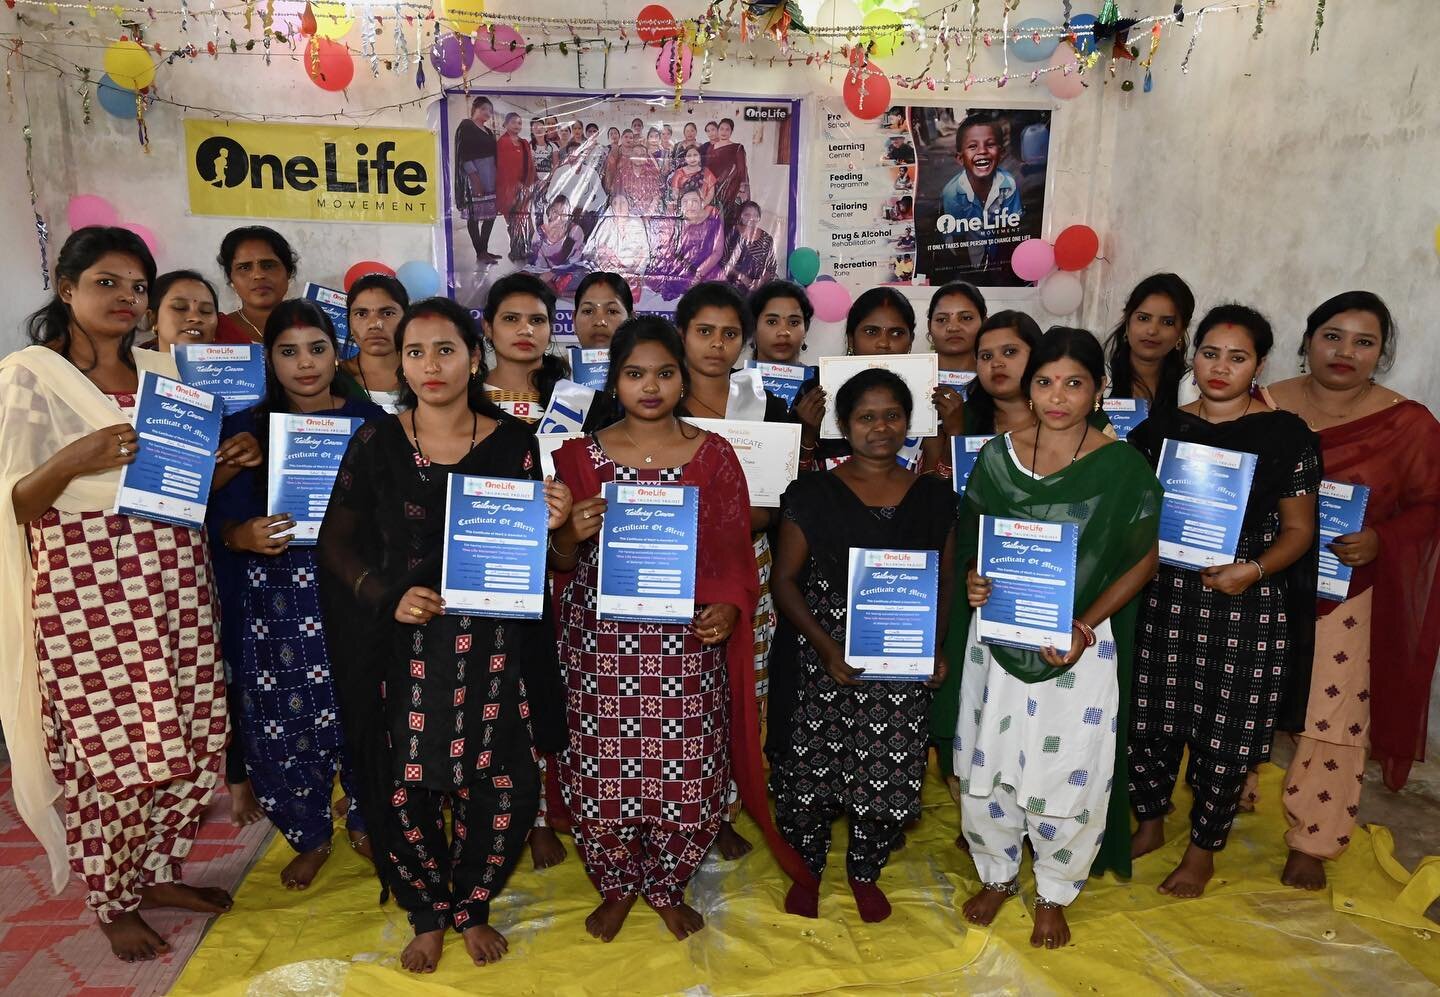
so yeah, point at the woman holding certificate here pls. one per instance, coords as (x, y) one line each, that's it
(1216, 645)
(440, 709)
(956, 313)
(1040, 734)
(857, 745)
(1147, 349)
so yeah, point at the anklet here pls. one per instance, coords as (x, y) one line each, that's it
(1009, 889)
(1042, 904)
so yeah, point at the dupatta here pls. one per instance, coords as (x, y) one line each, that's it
(45, 404)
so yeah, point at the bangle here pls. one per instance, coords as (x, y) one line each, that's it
(1258, 567)
(805, 449)
(1085, 631)
(563, 553)
(359, 580)
(944, 470)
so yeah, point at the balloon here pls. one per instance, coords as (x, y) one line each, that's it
(655, 23)
(421, 280)
(1027, 49)
(116, 100)
(501, 48)
(1033, 259)
(838, 14)
(804, 265)
(830, 299)
(876, 100)
(1061, 84)
(462, 16)
(1061, 293)
(332, 69)
(363, 268)
(665, 62)
(888, 33)
(1075, 248)
(823, 278)
(146, 236)
(332, 19)
(85, 210)
(452, 55)
(1082, 26)
(129, 65)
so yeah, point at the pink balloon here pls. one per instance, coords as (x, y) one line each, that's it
(146, 236)
(1061, 84)
(831, 300)
(85, 210)
(665, 63)
(503, 50)
(1033, 259)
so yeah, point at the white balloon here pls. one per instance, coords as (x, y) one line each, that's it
(838, 14)
(1061, 293)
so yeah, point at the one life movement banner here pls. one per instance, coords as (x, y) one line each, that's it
(929, 194)
(561, 184)
(315, 172)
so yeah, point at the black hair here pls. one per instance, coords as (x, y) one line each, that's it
(292, 313)
(976, 119)
(1173, 367)
(727, 121)
(1063, 342)
(750, 204)
(165, 281)
(51, 322)
(1261, 335)
(965, 290)
(766, 293)
(378, 282)
(979, 404)
(645, 329)
(608, 279)
(854, 389)
(479, 101)
(713, 294)
(874, 299)
(1354, 301)
(552, 368)
(260, 233)
(459, 317)
(906, 200)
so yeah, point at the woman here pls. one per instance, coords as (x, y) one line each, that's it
(642, 175)
(749, 251)
(956, 311)
(687, 176)
(558, 247)
(602, 304)
(997, 402)
(288, 728)
(1374, 652)
(475, 174)
(857, 748)
(545, 153)
(514, 177)
(648, 840)
(693, 254)
(259, 265)
(689, 136)
(1062, 713)
(184, 312)
(376, 304)
(132, 802)
(1239, 629)
(621, 243)
(1147, 349)
(782, 314)
(416, 677)
(726, 159)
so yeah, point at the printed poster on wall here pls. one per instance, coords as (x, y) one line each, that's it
(930, 194)
(560, 184)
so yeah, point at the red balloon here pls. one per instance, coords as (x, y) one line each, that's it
(364, 268)
(655, 24)
(876, 100)
(328, 64)
(1076, 247)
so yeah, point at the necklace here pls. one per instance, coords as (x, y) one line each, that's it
(718, 413)
(648, 458)
(240, 314)
(1035, 450)
(1249, 400)
(415, 425)
(1339, 417)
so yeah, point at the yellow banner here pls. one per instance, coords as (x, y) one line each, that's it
(328, 174)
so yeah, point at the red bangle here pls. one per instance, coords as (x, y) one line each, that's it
(1085, 632)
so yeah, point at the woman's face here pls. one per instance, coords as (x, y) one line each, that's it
(780, 331)
(597, 315)
(613, 135)
(303, 359)
(482, 113)
(1344, 352)
(557, 211)
(692, 207)
(877, 426)
(512, 127)
(109, 298)
(577, 132)
(520, 331)
(1063, 394)
(750, 218)
(726, 130)
(692, 158)
(881, 333)
(435, 361)
(1000, 359)
(258, 275)
(1226, 363)
(649, 385)
(713, 341)
(1154, 328)
(689, 132)
(186, 315)
(953, 325)
(373, 320)
(537, 130)
(652, 141)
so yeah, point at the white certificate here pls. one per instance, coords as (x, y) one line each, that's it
(768, 451)
(920, 371)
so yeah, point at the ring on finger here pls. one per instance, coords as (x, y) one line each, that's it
(416, 611)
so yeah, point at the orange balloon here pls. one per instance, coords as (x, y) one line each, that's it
(876, 99)
(328, 64)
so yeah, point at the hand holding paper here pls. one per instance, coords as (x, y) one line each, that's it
(1355, 550)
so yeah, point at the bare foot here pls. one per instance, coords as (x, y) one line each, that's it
(244, 808)
(1304, 872)
(803, 901)
(682, 920)
(730, 843)
(983, 906)
(484, 943)
(1190, 876)
(205, 899)
(606, 920)
(1149, 836)
(302, 868)
(1051, 930)
(132, 940)
(545, 848)
(422, 955)
(360, 841)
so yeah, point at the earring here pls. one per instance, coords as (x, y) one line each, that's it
(931, 340)
(804, 347)
(1031, 404)
(1303, 368)
(1097, 405)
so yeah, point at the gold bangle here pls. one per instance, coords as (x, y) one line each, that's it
(359, 580)
(564, 553)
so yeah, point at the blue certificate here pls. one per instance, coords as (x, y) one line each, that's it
(235, 373)
(179, 431)
(1206, 491)
(1125, 414)
(894, 599)
(964, 452)
(305, 454)
(589, 367)
(647, 552)
(333, 303)
(784, 380)
(959, 380)
(1032, 568)
(1342, 511)
(494, 562)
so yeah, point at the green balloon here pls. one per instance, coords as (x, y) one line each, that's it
(804, 266)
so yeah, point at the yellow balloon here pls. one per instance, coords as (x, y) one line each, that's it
(888, 34)
(332, 20)
(463, 17)
(129, 65)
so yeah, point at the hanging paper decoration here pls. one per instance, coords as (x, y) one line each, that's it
(328, 64)
(655, 24)
(1150, 56)
(866, 91)
(500, 49)
(1319, 23)
(1108, 13)
(308, 25)
(42, 228)
(772, 19)
(129, 65)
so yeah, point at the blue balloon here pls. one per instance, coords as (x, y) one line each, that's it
(419, 278)
(1027, 49)
(116, 99)
(1083, 26)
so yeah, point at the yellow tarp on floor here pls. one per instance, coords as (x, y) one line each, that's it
(1248, 934)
